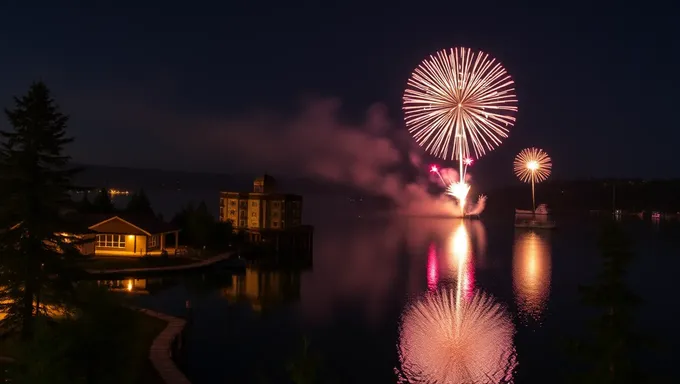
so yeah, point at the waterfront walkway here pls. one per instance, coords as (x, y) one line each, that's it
(161, 349)
(173, 268)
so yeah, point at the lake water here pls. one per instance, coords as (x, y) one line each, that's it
(366, 270)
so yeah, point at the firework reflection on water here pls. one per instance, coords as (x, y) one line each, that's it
(445, 340)
(531, 274)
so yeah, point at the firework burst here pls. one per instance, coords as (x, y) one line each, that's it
(445, 341)
(532, 165)
(458, 103)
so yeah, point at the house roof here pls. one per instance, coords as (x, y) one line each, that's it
(122, 223)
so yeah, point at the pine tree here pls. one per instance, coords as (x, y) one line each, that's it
(139, 203)
(102, 202)
(35, 180)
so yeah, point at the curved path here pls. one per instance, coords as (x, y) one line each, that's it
(160, 352)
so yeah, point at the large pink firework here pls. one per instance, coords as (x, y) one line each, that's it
(457, 99)
(459, 103)
(445, 341)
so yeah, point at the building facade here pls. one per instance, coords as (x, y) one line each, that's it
(263, 208)
(268, 217)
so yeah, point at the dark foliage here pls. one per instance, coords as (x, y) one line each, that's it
(93, 345)
(201, 230)
(84, 205)
(139, 204)
(102, 202)
(610, 353)
(35, 180)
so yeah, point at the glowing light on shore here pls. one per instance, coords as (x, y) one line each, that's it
(532, 165)
(459, 103)
(531, 274)
(443, 340)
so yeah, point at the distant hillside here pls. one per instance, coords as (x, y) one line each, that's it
(96, 176)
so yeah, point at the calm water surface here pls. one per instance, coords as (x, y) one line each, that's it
(365, 272)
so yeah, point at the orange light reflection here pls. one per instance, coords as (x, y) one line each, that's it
(531, 272)
(460, 247)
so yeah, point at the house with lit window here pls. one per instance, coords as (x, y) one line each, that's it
(268, 216)
(119, 234)
(136, 236)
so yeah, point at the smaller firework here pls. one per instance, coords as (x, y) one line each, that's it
(443, 340)
(532, 165)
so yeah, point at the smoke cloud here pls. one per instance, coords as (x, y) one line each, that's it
(369, 155)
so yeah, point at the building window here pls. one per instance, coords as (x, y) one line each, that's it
(244, 204)
(275, 214)
(221, 203)
(254, 203)
(232, 212)
(153, 242)
(276, 204)
(243, 213)
(111, 241)
(232, 203)
(242, 223)
(275, 224)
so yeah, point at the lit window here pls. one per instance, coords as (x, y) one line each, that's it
(111, 241)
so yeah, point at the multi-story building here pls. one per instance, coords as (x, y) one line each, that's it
(267, 216)
(261, 209)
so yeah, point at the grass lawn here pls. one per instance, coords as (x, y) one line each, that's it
(148, 328)
(116, 262)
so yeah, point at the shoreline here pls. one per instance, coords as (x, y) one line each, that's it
(174, 268)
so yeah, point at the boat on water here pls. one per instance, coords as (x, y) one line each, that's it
(542, 209)
(535, 224)
(534, 219)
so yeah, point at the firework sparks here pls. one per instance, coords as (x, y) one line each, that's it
(443, 340)
(458, 103)
(532, 165)
(459, 189)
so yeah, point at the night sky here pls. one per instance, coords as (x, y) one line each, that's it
(175, 85)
